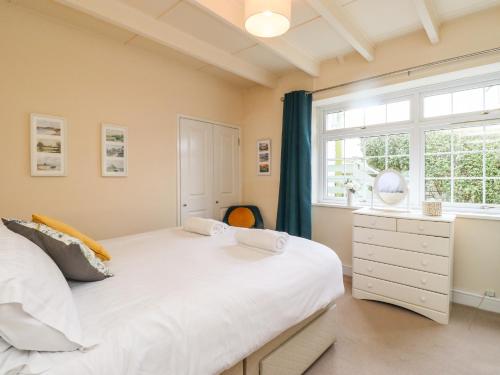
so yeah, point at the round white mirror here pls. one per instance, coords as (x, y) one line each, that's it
(390, 186)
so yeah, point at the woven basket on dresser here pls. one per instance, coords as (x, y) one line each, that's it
(432, 208)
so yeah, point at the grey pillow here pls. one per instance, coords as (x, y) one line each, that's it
(75, 260)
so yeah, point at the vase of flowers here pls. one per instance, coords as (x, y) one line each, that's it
(351, 189)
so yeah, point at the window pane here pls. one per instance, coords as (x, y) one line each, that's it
(353, 148)
(493, 164)
(373, 146)
(334, 120)
(335, 149)
(492, 191)
(399, 111)
(399, 144)
(375, 165)
(375, 115)
(335, 168)
(492, 97)
(355, 168)
(492, 137)
(399, 163)
(437, 105)
(438, 166)
(335, 188)
(438, 141)
(469, 165)
(354, 118)
(438, 189)
(468, 191)
(468, 139)
(468, 101)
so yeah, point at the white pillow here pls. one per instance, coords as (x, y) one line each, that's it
(37, 309)
(4, 345)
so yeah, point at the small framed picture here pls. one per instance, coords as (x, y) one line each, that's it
(48, 146)
(114, 151)
(264, 157)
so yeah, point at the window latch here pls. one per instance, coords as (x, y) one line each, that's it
(486, 207)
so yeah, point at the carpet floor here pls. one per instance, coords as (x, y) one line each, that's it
(375, 338)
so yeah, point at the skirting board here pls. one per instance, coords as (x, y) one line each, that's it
(472, 299)
(347, 270)
(459, 296)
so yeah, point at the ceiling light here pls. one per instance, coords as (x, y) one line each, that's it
(267, 18)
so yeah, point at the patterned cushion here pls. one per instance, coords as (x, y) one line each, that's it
(75, 260)
(59, 226)
(241, 217)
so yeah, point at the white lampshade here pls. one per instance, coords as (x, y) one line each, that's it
(267, 18)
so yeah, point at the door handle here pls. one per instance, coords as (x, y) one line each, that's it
(184, 205)
(216, 202)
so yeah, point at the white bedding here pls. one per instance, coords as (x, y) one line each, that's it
(182, 303)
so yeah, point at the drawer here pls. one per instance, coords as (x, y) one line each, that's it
(415, 296)
(402, 258)
(419, 279)
(431, 228)
(376, 222)
(300, 351)
(407, 241)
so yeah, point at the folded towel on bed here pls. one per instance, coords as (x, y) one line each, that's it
(207, 227)
(264, 239)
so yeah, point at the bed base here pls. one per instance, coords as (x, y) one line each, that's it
(295, 350)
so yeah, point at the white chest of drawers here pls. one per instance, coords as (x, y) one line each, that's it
(404, 258)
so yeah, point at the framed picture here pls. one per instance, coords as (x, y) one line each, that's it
(264, 157)
(48, 146)
(114, 151)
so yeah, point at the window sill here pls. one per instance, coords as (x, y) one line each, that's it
(476, 216)
(337, 205)
(458, 214)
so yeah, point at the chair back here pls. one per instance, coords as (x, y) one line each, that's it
(244, 217)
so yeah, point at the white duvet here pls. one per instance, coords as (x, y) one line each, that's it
(182, 303)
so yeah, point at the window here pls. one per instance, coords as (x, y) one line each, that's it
(462, 165)
(361, 159)
(442, 156)
(462, 101)
(369, 115)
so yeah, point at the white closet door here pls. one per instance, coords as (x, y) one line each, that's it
(196, 169)
(226, 169)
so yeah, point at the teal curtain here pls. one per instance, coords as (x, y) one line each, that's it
(294, 205)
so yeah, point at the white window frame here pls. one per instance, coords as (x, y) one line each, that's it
(457, 206)
(415, 127)
(450, 88)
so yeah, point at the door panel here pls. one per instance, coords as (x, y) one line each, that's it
(196, 164)
(226, 169)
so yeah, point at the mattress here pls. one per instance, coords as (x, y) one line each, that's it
(181, 303)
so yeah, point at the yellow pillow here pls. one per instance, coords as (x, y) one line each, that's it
(61, 227)
(241, 217)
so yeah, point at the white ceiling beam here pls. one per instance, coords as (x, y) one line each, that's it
(335, 16)
(429, 19)
(122, 15)
(233, 15)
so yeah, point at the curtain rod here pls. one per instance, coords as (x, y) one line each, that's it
(411, 69)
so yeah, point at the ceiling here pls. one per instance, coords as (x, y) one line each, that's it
(320, 30)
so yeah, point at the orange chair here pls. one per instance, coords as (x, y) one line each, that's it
(244, 217)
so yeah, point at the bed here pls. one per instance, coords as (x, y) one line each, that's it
(181, 303)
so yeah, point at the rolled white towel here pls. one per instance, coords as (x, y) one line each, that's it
(207, 227)
(264, 239)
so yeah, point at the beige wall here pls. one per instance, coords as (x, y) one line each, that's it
(50, 68)
(477, 250)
